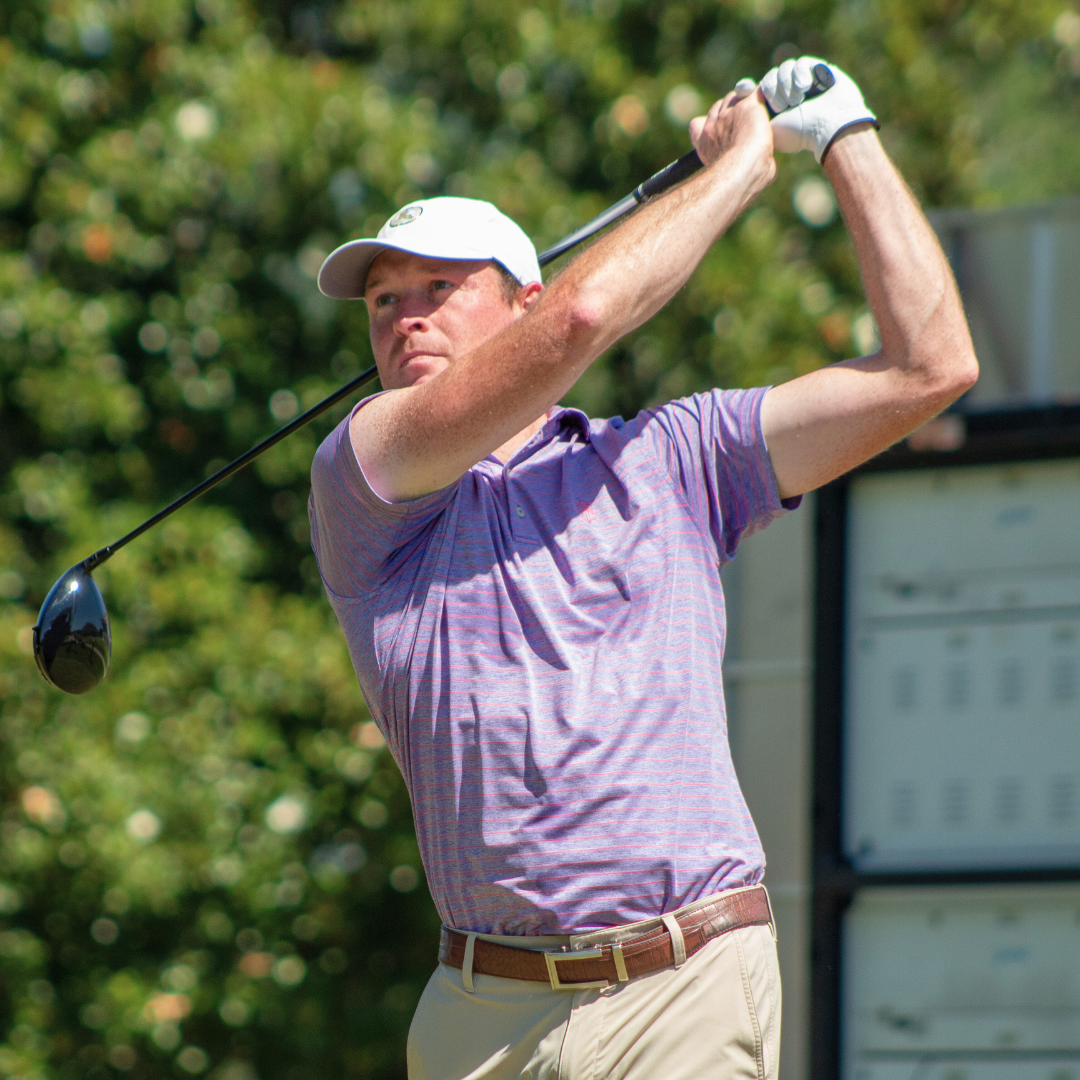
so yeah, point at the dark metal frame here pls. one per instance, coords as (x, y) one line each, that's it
(992, 438)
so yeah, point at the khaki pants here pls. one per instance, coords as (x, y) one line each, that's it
(717, 1016)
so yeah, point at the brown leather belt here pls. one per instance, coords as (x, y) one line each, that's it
(603, 965)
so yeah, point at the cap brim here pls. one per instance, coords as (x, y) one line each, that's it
(343, 275)
(344, 271)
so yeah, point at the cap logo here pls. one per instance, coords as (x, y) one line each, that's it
(403, 217)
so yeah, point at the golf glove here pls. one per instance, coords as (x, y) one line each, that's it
(814, 123)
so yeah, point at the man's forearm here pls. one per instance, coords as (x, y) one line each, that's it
(825, 423)
(629, 275)
(907, 279)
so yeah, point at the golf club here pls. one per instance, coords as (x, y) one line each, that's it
(73, 639)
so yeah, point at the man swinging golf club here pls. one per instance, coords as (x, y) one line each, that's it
(532, 598)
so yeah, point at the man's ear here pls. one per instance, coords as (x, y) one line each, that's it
(528, 295)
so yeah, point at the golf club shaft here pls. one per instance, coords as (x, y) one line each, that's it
(234, 466)
(667, 177)
(659, 182)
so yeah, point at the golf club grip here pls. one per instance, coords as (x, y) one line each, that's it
(666, 178)
(669, 176)
(689, 163)
(824, 80)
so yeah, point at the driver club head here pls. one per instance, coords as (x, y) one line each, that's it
(72, 639)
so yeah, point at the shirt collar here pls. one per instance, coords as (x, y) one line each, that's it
(559, 420)
(562, 418)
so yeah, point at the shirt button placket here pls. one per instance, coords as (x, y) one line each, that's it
(516, 510)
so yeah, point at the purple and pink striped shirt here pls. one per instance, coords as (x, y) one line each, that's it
(540, 643)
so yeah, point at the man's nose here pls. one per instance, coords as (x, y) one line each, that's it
(411, 322)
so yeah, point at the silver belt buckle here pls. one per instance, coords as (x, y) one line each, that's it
(552, 960)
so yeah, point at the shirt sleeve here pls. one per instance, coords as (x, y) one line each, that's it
(713, 448)
(357, 536)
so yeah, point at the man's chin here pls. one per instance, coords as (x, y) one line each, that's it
(421, 369)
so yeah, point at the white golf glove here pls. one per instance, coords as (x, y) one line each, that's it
(811, 124)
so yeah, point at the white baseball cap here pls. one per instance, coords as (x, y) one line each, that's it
(442, 228)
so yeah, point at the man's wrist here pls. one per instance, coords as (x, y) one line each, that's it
(849, 145)
(758, 174)
(744, 167)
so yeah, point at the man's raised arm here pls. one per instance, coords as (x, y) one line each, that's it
(423, 437)
(819, 426)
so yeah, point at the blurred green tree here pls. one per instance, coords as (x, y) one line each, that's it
(208, 866)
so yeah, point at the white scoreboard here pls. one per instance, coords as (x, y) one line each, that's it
(962, 668)
(951, 983)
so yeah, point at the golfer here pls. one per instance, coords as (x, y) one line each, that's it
(532, 597)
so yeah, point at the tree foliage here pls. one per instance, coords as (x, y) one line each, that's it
(208, 865)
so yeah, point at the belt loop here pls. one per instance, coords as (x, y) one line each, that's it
(772, 917)
(467, 962)
(620, 963)
(678, 942)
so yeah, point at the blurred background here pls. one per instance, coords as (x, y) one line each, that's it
(208, 867)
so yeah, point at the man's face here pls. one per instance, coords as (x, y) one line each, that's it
(426, 313)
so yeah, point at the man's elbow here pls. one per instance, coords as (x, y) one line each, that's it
(970, 375)
(960, 374)
(579, 323)
(948, 367)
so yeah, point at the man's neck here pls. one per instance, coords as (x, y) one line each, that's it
(512, 446)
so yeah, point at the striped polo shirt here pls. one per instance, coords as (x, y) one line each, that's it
(540, 644)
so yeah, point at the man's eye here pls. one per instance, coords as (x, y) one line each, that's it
(385, 299)
(437, 285)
